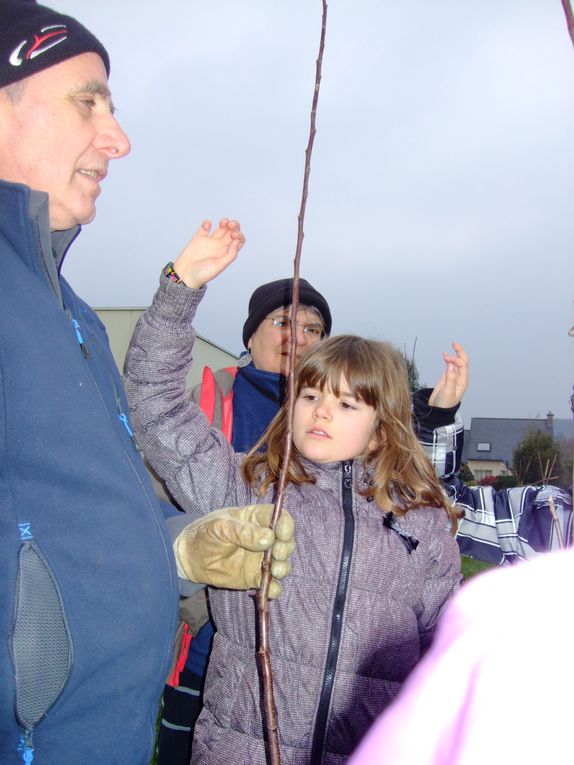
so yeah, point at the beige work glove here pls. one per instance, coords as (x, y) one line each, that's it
(225, 548)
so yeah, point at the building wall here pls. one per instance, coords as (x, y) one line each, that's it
(482, 468)
(120, 324)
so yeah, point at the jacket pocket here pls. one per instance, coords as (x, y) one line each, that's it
(40, 640)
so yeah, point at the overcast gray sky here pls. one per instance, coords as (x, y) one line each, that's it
(442, 184)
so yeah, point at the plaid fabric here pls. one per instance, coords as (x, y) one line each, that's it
(443, 445)
(511, 524)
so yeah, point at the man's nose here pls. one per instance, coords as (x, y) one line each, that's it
(112, 140)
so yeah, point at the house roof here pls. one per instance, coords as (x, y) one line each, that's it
(564, 428)
(496, 438)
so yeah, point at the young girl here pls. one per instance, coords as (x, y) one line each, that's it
(376, 557)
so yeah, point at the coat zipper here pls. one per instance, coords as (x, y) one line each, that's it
(86, 353)
(78, 333)
(336, 618)
(26, 746)
(123, 417)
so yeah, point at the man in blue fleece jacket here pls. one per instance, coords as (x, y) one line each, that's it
(88, 601)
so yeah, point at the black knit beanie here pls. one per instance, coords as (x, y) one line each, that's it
(279, 294)
(33, 37)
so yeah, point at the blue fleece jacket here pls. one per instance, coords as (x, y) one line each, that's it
(88, 601)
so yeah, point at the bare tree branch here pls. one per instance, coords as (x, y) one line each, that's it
(556, 522)
(262, 595)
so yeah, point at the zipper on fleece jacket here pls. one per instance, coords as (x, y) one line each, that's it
(86, 353)
(78, 332)
(336, 618)
(122, 416)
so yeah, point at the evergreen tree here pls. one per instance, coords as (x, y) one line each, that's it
(537, 459)
(465, 474)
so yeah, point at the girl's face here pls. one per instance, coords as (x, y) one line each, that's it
(330, 428)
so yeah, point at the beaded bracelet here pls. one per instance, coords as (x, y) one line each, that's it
(169, 273)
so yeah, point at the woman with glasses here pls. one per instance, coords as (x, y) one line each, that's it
(241, 401)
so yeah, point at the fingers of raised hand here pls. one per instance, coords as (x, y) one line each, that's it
(229, 229)
(460, 358)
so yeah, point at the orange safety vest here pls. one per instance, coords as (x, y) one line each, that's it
(216, 398)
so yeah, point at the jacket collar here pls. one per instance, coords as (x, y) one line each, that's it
(42, 250)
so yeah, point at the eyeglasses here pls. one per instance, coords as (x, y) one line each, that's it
(314, 331)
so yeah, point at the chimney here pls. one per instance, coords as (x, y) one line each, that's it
(550, 423)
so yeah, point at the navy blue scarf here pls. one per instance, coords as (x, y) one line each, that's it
(257, 396)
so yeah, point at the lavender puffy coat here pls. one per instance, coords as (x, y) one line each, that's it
(358, 609)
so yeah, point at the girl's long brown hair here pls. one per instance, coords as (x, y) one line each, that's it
(402, 475)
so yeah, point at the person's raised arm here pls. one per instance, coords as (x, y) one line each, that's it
(438, 426)
(223, 547)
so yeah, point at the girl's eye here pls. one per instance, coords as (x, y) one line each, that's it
(345, 405)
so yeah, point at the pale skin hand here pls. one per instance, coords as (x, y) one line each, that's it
(450, 389)
(207, 254)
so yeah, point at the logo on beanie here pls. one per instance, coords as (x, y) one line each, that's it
(48, 38)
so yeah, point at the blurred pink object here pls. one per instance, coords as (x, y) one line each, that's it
(497, 686)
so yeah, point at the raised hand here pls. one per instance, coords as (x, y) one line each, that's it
(449, 390)
(207, 254)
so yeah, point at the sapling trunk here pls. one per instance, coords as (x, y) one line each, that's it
(270, 715)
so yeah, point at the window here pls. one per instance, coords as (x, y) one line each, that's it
(479, 474)
(483, 446)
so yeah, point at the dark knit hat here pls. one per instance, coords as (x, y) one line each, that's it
(269, 297)
(33, 37)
